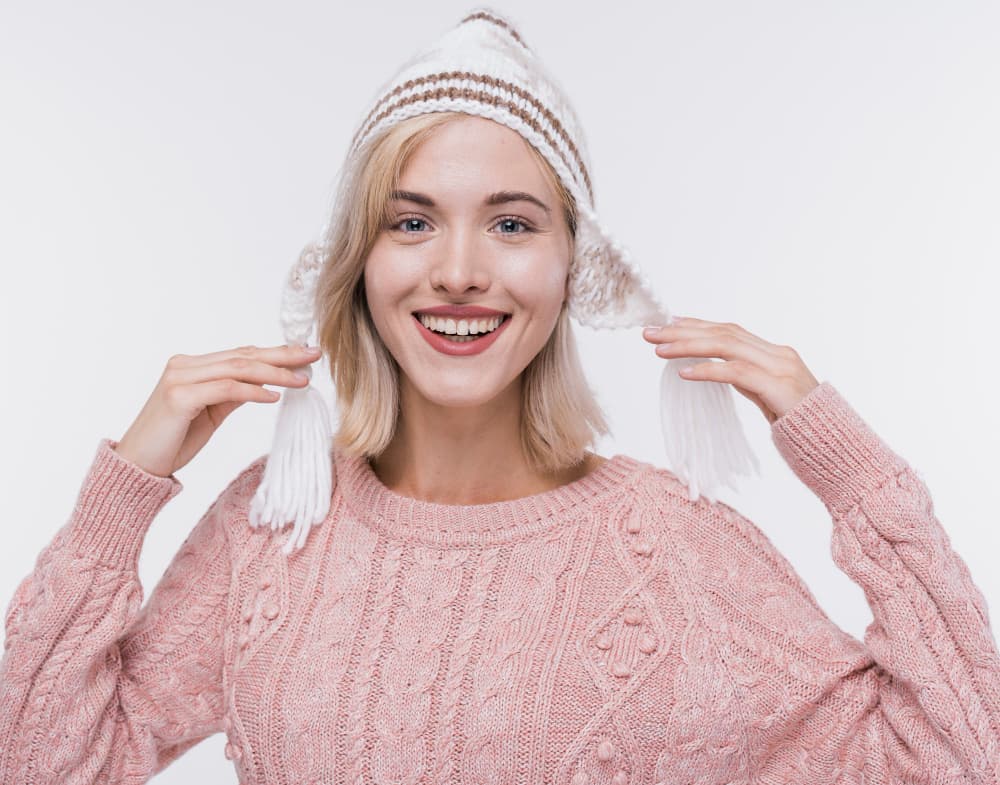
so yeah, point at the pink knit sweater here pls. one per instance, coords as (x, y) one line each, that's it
(607, 631)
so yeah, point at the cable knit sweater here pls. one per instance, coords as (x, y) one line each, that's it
(607, 631)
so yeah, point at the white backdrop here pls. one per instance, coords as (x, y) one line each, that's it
(825, 174)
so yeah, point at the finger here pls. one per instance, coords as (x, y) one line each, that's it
(284, 355)
(242, 369)
(726, 327)
(727, 347)
(192, 398)
(687, 326)
(670, 333)
(218, 412)
(736, 372)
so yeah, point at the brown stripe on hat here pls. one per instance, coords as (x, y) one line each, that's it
(498, 22)
(493, 100)
(485, 97)
(492, 82)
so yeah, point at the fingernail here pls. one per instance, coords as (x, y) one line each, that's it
(650, 328)
(312, 349)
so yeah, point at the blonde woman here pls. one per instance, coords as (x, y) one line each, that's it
(486, 599)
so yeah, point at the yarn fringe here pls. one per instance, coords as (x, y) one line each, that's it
(298, 477)
(703, 436)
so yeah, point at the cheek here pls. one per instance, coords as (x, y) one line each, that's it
(538, 283)
(386, 282)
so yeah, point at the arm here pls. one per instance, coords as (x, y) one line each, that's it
(919, 701)
(92, 688)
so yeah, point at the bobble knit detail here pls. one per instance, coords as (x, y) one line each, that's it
(608, 631)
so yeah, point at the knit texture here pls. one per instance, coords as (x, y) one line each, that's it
(607, 631)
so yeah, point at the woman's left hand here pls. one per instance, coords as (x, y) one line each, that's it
(772, 376)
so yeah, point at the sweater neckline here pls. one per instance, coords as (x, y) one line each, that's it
(465, 525)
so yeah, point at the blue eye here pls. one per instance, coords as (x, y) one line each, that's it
(410, 221)
(507, 219)
(512, 220)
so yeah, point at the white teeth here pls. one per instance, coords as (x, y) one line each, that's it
(461, 326)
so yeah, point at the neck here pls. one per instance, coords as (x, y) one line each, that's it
(468, 455)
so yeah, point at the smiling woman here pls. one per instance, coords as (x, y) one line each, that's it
(486, 601)
(467, 183)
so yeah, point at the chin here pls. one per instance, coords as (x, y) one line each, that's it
(456, 397)
(462, 392)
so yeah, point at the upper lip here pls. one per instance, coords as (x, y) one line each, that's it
(460, 311)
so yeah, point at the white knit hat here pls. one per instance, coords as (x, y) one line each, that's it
(482, 66)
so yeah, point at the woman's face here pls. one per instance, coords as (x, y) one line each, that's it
(453, 241)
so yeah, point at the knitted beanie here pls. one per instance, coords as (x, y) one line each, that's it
(483, 66)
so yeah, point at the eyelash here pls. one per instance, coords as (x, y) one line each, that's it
(528, 228)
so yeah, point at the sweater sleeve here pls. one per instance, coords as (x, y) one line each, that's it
(94, 689)
(919, 699)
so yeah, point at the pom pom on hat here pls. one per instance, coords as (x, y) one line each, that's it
(482, 66)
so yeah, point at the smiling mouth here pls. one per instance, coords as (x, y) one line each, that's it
(455, 337)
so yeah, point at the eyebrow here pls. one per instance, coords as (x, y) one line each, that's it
(500, 197)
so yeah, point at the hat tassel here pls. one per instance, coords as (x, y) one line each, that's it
(298, 476)
(702, 433)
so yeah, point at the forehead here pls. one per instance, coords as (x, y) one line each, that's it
(474, 152)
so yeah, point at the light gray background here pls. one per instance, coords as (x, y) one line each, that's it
(824, 174)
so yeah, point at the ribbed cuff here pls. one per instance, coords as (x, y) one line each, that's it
(117, 503)
(832, 449)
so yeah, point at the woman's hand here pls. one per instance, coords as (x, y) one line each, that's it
(197, 392)
(772, 376)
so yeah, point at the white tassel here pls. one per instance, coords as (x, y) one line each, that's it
(298, 477)
(702, 433)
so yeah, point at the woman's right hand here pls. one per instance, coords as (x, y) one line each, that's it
(197, 392)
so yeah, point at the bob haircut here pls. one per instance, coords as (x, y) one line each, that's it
(560, 416)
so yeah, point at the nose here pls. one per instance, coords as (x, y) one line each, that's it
(460, 265)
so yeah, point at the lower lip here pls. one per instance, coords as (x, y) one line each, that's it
(465, 348)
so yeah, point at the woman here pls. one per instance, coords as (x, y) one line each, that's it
(486, 600)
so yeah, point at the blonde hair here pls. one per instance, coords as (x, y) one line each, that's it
(560, 416)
